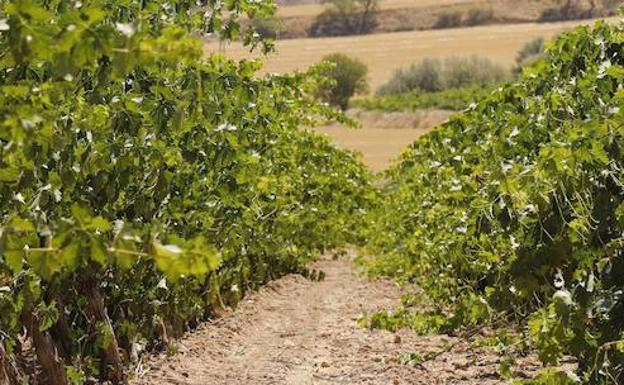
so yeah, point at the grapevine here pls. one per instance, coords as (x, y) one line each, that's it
(512, 211)
(144, 185)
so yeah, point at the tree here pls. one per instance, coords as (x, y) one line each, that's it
(346, 17)
(577, 9)
(345, 77)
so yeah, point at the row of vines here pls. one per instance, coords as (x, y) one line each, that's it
(512, 213)
(144, 184)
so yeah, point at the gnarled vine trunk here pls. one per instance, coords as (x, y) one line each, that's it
(60, 332)
(52, 364)
(113, 364)
(8, 372)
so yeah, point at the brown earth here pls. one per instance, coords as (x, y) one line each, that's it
(299, 332)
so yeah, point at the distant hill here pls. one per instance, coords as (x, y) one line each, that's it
(298, 17)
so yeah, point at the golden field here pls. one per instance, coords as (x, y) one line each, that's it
(379, 147)
(386, 52)
(383, 136)
(313, 9)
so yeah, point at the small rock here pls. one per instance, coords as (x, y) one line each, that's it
(324, 364)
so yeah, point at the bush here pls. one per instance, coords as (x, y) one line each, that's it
(346, 77)
(455, 18)
(143, 185)
(479, 16)
(459, 72)
(449, 19)
(532, 48)
(431, 75)
(425, 76)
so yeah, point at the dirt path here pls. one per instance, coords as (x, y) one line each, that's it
(298, 332)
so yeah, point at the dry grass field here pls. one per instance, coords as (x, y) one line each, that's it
(378, 146)
(383, 136)
(384, 53)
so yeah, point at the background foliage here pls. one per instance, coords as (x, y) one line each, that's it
(455, 99)
(433, 75)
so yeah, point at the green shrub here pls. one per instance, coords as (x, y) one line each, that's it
(451, 99)
(431, 75)
(519, 202)
(144, 184)
(345, 77)
(459, 72)
(571, 10)
(425, 76)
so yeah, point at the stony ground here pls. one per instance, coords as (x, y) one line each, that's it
(299, 332)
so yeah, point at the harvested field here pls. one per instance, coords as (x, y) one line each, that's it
(383, 135)
(314, 8)
(384, 53)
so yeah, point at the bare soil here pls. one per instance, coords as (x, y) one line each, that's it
(300, 332)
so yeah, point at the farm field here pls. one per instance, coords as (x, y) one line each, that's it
(383, 136)
(384, 53)
(378, 146)
(313, 9)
